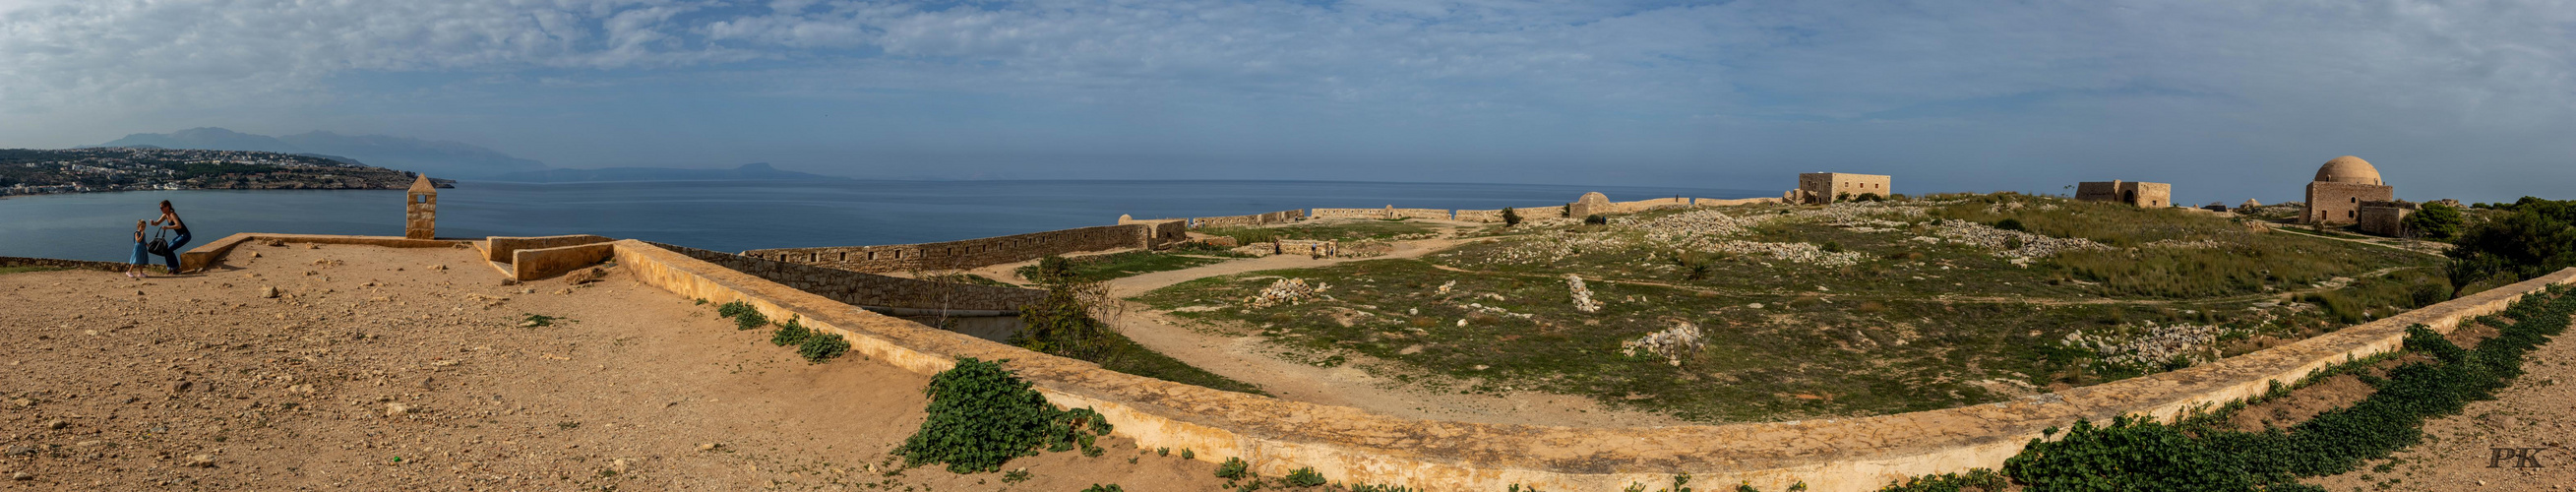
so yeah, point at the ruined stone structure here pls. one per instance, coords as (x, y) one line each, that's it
(1823, 188)
(1279, 217)
(2387, 218)
(420, 210)
(1320, 249)
(2129, 192)
(2341, 185)
(972, 253)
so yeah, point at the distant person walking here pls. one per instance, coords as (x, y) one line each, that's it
(135, 264)
(170, 221)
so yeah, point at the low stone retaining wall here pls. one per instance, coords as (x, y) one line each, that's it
(1727, 202)
(20, 261)
(532, 264)
(1324, 249)
(1279, 217)
(498, 248)
(213, 252)
(1349, 213)
(1355, 446)
(1418, 213)
(870, 290)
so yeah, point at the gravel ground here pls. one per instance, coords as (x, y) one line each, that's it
(410, 369)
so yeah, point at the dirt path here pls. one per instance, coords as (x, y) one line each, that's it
(1132, 286)
(202, 383)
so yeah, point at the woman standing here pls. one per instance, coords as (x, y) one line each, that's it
(170, 220)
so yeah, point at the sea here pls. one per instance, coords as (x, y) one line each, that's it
(739, 215)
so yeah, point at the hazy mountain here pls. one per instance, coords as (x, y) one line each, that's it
(437, 158)
(753, 171)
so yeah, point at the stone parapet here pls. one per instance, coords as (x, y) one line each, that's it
(870, 290)
(974, 253)
(538, 263)
(1261, 219)
(498, 248)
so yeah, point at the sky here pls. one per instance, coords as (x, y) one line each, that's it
(2227, 100)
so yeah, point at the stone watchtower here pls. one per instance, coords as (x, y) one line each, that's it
(420, 210)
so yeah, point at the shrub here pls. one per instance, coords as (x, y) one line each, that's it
(1305, 477)
(744, 316)
(1567, 211)
(2009, 225)
(1511, 217)
(2436, 222)
(1104, 488)
(981, 416)
(820, 347)
(732, 309)
(1833, 247)
(1596, 219)
(792, 333)
(1869, 197)
(1233, 469)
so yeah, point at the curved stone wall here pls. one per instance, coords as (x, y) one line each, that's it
(1355, 446)
(973, 253)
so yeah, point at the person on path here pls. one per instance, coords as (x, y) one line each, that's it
(170, 220)
(134, 264)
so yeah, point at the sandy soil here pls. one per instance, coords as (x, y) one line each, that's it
(391, 369)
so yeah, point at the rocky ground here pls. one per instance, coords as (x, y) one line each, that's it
(415, 369)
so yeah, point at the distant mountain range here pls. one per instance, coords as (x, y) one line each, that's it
(437, 158)
(753, 171)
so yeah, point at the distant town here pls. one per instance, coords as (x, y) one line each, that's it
(104, 169)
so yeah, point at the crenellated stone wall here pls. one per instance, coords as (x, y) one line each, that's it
(870, 290)
(973, 253)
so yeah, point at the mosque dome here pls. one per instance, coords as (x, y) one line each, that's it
(2348, 169)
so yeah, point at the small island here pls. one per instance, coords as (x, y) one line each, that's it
(36, 171)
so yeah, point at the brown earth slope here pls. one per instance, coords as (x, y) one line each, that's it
(409, 369)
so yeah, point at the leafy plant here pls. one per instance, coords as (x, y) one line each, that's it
(1104, 488)
(982, 415)
(1305, 477)
(1233, 469)
(744, 316)
(820, 347)
(791, 333)
(537, 320)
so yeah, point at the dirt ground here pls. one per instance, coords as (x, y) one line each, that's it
(2459, 452)
(409, 369)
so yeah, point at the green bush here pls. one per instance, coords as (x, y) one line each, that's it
(2010, 225)
(1511, 217)
(2436, 222)
(1979, 480)
(1596, 219)
(791, 333)
(1104, 488)
(744, 316)
(1305, 477)
(732, 309)
(820, 347)
(981, 416)
(1233, 469)
(2535, 238)
(1869, 197)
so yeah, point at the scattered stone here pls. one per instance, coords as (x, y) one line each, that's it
(300, 389)
(313, 246)
(200, 461)
(708, 446)
(254, 254)
(1283, 291)
(620, 465)
(21, 476)
(1673, 344)
(19, 450)
(181, 385)
(594, 274)
(57, 424)
(509, 282)
(1582, 295)
(268, 292)
(22, 403)
(427, 383)
(397, 409)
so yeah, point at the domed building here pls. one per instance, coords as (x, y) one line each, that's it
(2341, 187)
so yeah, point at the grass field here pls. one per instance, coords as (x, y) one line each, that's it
(1116, 265)
(1810, 312)
(1326, 230)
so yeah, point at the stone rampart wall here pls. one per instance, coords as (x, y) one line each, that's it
(1418, 213)
(1279, 217)
(1276, 436)
(871, 290)
(213, 253)
(537, 263)
(498, 248)
(973, 253)
(1492, 216)
(1308, 247)
(1729, 202)
(1348, 213)
(20, 261)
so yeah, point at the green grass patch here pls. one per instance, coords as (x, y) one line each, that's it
(1324, 230)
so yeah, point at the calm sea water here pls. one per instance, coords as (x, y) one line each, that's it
(738, 215)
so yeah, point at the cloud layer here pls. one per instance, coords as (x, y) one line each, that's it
(1964, 93)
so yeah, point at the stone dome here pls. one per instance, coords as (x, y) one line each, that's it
(2348, 169)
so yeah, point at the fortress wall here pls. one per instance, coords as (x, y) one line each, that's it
(1349, 213)
(1261, 219)
(1419, 213)
(1495, 215)
(498, 248)
(1729, 202)
(532, 264)
(20, 261)
(1276, 436)
(865, 289)
(972, 253)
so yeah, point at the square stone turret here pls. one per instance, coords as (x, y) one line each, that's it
(420, 210)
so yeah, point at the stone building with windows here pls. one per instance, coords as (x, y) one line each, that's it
(2129, 192)
(2387, 218)
(1823, 188)
(2342, 185)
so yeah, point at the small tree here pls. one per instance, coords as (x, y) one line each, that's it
(1842, 197)
(1596, 219)
(1511, 218)
(2436, 222)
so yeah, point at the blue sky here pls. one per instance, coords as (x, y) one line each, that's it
(2226, 99)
